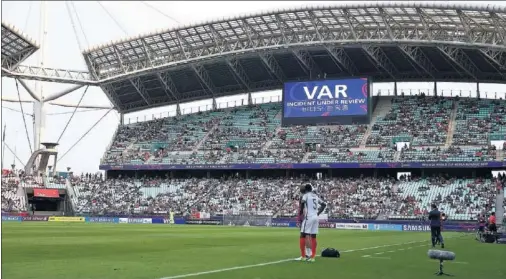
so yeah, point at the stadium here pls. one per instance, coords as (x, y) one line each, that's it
(213, 191)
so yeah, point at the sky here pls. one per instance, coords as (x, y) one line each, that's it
(63, 49)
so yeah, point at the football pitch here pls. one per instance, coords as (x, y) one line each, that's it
(140, 251)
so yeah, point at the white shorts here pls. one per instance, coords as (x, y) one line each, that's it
(309, 226)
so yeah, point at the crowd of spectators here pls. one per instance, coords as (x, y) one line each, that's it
(477, 120)
(254, 134)
(97, 196)
(424, 120)
(11, 199)
(364, 197)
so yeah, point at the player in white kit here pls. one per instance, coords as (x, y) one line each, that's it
(311, 206)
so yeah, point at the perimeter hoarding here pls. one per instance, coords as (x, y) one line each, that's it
(339, 101)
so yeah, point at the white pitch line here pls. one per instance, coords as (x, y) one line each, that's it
(277, 262)
(391, 251)
(375, 257)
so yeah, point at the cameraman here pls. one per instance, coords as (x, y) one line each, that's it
(436, 220)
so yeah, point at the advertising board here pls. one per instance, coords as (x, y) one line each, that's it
(351, 226)
(356, 165)
(139, 220)
(66, 219)
(344, 101)
(34, 218)
(11, 218)
(322, 225)
(158, 221)
(384, 227)
(416, 228)
(102, 220)
(46, 193)
(203, 222)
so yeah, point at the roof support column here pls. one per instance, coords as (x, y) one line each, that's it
(178, 109)
(250, 99)
(435, 88)
(478, 90)
(215, 105)
(395, 88)
(122, 119)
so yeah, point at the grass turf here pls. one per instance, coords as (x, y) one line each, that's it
(139, 251)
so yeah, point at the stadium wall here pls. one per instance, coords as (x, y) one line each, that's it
(370, 225)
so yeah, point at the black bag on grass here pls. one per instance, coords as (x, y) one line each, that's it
(330, 253)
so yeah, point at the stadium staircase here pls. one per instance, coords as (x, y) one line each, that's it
(397, 156)
(21, 192)
(500, 155)
(269, 143)
(383, 107)
(499, 208)
(452, 125)
(279, 115)
(204, 138)
(71, 193)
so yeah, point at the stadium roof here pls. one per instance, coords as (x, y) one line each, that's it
(387, 41)
(16, 47)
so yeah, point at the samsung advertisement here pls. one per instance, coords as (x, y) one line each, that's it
(336, 101)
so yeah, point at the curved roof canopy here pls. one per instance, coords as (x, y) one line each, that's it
(387, 41)
(16, 46)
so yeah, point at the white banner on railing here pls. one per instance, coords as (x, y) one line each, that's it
(351, 226)
(323, 217)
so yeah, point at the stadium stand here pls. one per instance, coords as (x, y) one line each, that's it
(479, 121)
(253, 134)
(364, 197)
(12, 198)
(424, 120)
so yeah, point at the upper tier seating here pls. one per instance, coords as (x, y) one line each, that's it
(424, 120)
(479, 120)
(252, 134)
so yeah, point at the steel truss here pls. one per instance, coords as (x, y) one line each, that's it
(342, 59)
(453, 29)
(239, 73)
(50, 74)
(419, 58)
(309, 65)
(139, 86)
(457, 25)
(381, 60)
(458, 56)
(204, 79)
(16, 47)
(273, 66)
(168, 85)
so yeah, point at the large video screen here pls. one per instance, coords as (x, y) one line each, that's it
(339, 101)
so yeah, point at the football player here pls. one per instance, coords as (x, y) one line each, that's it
(311, 206)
